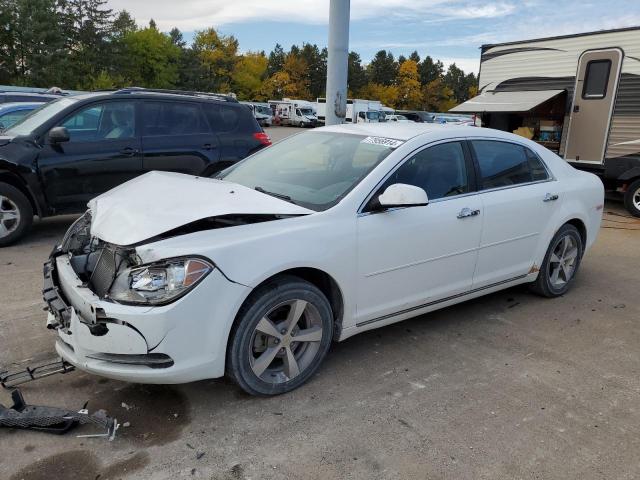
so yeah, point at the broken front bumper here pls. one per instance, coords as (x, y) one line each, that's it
(176, 343)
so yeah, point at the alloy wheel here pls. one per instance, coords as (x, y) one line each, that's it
(563, 261)
(285, 341)
(9, 216)
(635, 199)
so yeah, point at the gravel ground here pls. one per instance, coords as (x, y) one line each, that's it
(507, 386)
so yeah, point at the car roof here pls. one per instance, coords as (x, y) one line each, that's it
(403, 131)
(155, 93)
(406, 131)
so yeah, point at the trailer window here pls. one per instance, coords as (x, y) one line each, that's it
(596, 79)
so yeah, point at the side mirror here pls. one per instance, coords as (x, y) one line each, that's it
(58, 135)
(403, 195)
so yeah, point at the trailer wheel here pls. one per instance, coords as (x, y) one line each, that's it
(632, 198)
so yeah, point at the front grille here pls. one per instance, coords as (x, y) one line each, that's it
(104, 272)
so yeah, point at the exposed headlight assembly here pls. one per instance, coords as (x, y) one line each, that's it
(159, 283)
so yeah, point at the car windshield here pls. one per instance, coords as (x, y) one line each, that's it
(312, 169)
(40, 115)
(306, 111)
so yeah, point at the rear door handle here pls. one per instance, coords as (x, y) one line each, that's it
(129, 151)
(208, 146)
(467, 212)
(550, 197)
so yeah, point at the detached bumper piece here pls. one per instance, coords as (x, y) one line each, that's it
(53, 299)
(13, 379)
(53, 419)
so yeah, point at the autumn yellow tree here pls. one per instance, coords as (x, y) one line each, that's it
(408, 86)
(248, 76)
(387, 94)
(217, 55)
(437, 97)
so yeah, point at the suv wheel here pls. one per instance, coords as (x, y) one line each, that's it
(632, 198)
(560, 264)
(281, 336)
(16, 214)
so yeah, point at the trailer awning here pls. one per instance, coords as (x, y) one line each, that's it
(521, 101)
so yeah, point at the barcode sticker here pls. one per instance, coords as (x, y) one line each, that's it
(383, 141)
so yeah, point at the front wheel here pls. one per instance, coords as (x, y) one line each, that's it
(16, 214)
(632, 198)
(560, 263)
(280, 337)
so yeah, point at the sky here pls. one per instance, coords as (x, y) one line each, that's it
(449, 30)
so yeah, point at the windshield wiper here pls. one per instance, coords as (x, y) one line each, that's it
(281, 196)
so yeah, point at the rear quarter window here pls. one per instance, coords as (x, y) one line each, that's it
(231, 118)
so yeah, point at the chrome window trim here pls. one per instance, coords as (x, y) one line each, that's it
(401, 162)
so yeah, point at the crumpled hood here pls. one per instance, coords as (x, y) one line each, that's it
(157, 202)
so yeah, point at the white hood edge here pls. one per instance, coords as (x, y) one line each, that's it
(157, 202)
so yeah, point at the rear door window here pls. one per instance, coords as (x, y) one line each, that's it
(172, 118)
(504, 164)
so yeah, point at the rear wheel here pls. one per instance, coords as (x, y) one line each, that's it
(16, 214)
(560, 264)
(632, 198)
(280, 338)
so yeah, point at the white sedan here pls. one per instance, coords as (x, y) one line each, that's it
(171, 278)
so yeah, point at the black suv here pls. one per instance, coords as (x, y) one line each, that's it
(75, 148)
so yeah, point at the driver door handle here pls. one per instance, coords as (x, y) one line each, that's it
(129, 151)
(550, 197)
(467, 212)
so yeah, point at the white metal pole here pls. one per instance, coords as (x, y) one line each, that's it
(337, 64)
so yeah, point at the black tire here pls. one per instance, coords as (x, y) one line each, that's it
(632, 198)
(242, 340)
(544, 284)
(12, 199)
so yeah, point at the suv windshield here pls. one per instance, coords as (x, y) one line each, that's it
(40, 115)
(313, 169)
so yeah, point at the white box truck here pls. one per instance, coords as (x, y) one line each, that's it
(299, 113)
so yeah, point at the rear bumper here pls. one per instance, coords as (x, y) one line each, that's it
(176, 343)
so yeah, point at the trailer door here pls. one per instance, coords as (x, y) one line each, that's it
(593, 98)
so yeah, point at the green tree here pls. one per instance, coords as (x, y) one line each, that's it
(276, 60)
(152, 59)
(383, 69)
(88, 25)
(414, 57)
(456, 80)
(430, 70)
(356, 76)
(316, 61)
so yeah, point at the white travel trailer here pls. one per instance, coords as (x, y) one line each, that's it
(358, 110)
(299, 113)
(579, 95)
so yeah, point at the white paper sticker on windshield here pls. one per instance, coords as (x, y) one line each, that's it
(383, 141)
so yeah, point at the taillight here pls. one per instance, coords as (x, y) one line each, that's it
(263, 138)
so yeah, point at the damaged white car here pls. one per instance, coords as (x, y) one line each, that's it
(171, 278)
